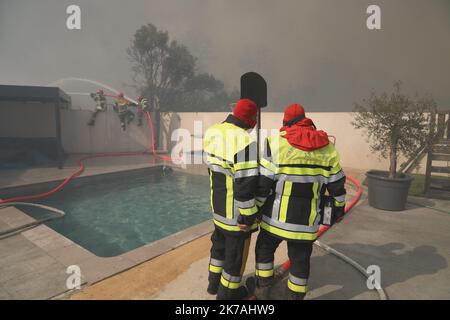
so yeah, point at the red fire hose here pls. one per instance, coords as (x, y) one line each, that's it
(73, 175)
(150, 123)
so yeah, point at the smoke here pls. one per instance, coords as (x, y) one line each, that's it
(316, 52)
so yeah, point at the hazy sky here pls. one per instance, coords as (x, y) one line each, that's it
(316, 52)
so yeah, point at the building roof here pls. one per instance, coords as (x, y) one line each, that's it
(32, 93)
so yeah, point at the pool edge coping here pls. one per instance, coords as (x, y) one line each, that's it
(126, 261)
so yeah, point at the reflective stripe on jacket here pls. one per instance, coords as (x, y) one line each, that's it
(143, 104)
(291, 184)
(233, 172)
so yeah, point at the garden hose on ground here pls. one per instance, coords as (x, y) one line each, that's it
(13, 231)
(279, 273)
(381, 293)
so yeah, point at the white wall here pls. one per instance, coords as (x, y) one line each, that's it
(351, 143)
(107, 136)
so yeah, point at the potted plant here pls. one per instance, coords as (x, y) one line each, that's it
(395, 126)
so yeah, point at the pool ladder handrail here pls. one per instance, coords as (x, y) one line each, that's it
(13, 231)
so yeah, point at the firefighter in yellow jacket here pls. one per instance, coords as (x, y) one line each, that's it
(233, 171)
(100, 105)
(142, 107)
(297, 167)
(121, 107)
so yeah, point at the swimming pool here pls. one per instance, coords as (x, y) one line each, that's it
(112, 214)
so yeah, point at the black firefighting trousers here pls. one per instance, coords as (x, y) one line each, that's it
(94, 116)
(228, 258)
(299, 254)
(126, 117)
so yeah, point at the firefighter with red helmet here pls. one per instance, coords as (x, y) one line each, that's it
(121, 107)
(100, 105)
(231, 156)
(296, 169)
(141, 107)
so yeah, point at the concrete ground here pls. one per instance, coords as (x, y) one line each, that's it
(410, 247)
(29, 272)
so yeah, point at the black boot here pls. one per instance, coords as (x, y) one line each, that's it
(291, 295)
(240, 293)
(214, 281)
(250, 283)
(224, 293)
(262, 289)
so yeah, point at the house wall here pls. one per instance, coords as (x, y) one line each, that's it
(107, 136)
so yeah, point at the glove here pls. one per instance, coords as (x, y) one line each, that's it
(247, 220)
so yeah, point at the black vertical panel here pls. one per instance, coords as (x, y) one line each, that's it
(299, 206)
(58, 132)
(298, 211)
(254, 87)
(219, 190)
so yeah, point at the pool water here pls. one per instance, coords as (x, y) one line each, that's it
(117, 215)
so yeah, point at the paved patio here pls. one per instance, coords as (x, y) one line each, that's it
(411, 248)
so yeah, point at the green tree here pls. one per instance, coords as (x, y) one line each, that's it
(165, 72)
(396, 125)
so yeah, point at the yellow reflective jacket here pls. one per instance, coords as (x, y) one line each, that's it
(121, 105)
(292, 182)
(233, 172)
(100, 101)
(143, 104)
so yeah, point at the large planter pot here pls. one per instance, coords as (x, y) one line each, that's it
(388, 194)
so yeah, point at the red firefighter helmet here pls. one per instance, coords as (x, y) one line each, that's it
(120, 94)
(100, 91)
